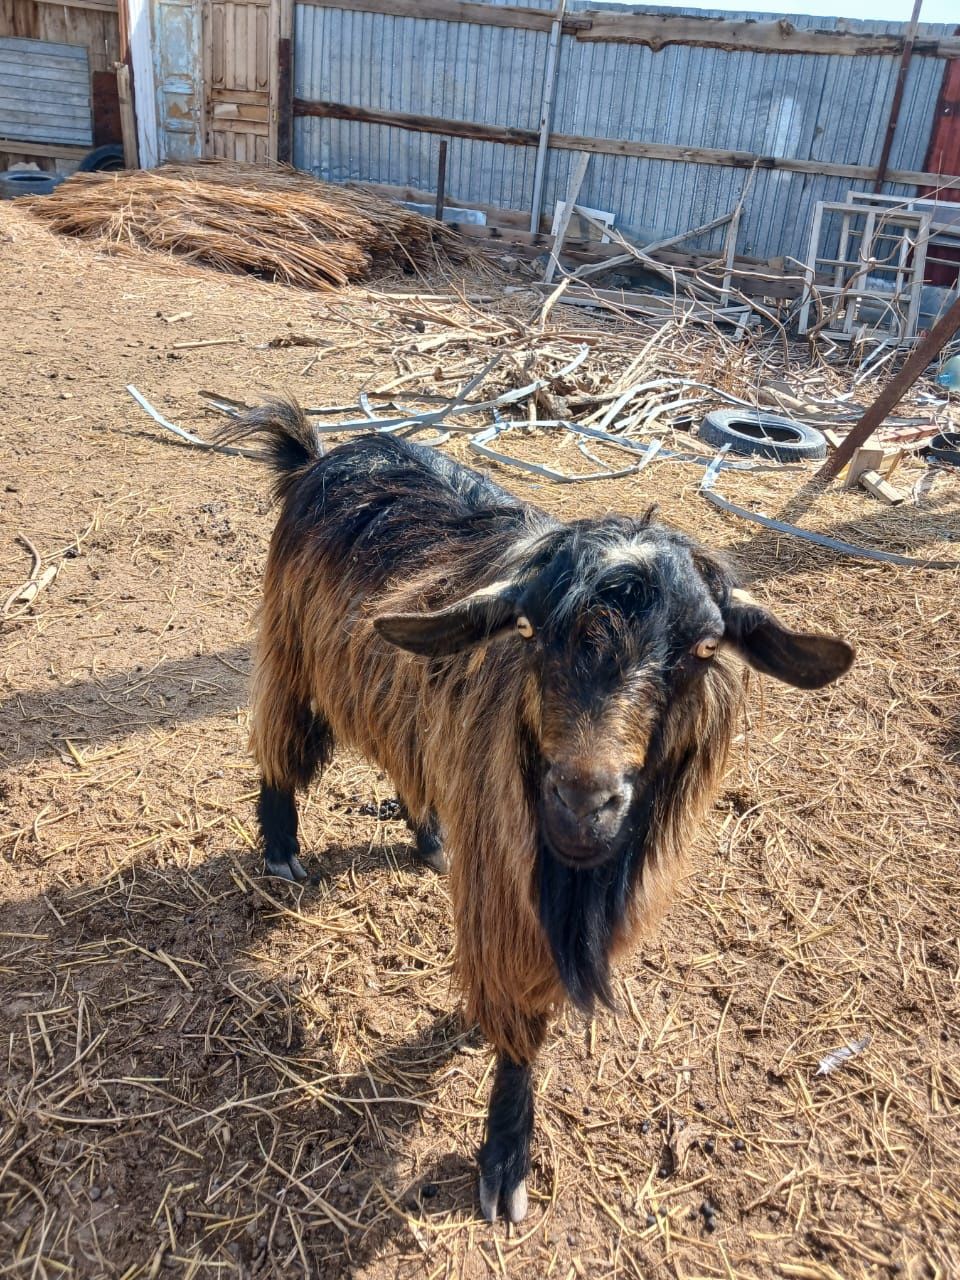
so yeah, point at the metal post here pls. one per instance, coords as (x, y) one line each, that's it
(926, 350)
(441, 179)
(546, 114)
(285, 100)
(897, 96)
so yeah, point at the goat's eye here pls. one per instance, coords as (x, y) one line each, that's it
(707, 647)
(525, 627)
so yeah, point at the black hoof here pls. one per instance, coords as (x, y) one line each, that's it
(515, 1203)
(503, 1181)
(285, 867)
(428, 850)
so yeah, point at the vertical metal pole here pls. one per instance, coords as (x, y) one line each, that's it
(546, 115)
(441, 179)
(284, 91)
(897, 96)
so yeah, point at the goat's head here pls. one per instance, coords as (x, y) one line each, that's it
(623, 625)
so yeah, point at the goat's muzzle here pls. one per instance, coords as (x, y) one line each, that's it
(585, 813)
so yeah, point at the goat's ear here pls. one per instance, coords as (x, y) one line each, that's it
(802, 659)
(469, 622)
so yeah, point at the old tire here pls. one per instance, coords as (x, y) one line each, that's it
(945, 447)
(26, 182)
(99, 159)
(765, 435)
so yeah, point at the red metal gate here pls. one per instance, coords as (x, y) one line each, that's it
(943, 156)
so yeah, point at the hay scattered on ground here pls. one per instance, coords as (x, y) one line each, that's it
(275, 223)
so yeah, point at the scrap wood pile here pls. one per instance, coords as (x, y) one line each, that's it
(275, 223)
(568, 398)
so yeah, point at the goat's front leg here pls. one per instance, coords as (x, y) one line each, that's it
(505, 1154)
(277, 811)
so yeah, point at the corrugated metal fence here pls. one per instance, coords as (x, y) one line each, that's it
(811, 106)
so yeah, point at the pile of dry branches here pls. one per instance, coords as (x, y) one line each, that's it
(275, 223)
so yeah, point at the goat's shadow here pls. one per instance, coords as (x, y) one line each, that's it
(254, 1092)
(381, 1104)
(100, 710)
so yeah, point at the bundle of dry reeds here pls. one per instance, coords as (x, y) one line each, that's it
(276, 223)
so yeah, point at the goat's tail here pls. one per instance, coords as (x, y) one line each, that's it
(288, 441)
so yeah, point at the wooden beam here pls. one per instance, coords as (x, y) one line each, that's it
(654, 30)
(563, 222)
(613, 146)
(865, 459)
(874, 483)
(487, 15)
(743, 160)
(16, 147)
(97, 6)
(897, 101)
(128, 121)
(659, 30)
(418, 124)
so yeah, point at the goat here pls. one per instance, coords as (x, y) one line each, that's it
(554, 700)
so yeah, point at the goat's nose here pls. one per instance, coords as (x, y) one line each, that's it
(587, 796)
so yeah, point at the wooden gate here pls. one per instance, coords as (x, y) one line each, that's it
(240, 65)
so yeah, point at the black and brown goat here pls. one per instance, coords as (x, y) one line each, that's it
(554, 699)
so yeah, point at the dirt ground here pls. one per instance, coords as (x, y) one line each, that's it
(207, 1076)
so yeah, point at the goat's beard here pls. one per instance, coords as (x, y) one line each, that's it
(582, 907)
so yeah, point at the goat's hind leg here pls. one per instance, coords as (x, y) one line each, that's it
(505, 1155)
(308, 747)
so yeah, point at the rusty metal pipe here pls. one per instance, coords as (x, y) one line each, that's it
(441, 181)
(895, 105)
(926, 351)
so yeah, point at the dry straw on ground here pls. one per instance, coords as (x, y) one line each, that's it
(204, 1077)
(277, 223)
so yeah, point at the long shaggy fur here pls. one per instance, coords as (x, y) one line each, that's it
(378, 526)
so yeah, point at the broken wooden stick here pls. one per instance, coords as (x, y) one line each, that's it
(576, 182)
(594, 268)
